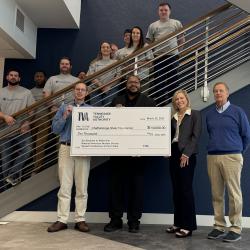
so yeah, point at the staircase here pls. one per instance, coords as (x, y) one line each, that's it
(216, 49)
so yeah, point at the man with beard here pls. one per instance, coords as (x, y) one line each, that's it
(127, 169)
(61, 81)
(14, 98)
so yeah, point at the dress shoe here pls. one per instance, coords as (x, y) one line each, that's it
(182, 233)
(82, 226)
(172, 229)
(113, 226)
(57, 226)
(134, 227)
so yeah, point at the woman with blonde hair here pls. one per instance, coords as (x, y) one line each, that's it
(185, 132)
(104, 92)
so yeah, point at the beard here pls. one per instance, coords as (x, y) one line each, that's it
(131, 93)
(13, 83)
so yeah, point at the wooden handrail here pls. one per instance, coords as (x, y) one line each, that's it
(128, 58)
(216, 35)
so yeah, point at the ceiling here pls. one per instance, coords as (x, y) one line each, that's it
(44, 14)
(48, 13)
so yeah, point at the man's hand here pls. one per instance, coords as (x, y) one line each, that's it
(9, 120)
(67, 111)
(25, 127)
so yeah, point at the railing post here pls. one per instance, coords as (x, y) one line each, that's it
(196, 70)
(136, 66)
(205, 90)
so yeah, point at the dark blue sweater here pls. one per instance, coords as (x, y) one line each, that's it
(229, 131)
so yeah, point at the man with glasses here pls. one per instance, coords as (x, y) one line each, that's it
(70, 168)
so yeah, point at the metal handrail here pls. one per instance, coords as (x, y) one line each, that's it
(208, 51)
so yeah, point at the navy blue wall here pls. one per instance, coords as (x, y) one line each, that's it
(106, 20)
(157, 182)
(101, 20)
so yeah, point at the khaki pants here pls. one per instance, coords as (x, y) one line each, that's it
(72, 169)
(225, 171)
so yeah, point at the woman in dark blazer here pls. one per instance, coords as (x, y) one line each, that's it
(185, 132)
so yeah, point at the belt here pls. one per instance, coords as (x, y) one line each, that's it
(65, 143)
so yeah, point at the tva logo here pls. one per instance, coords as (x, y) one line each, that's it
(83, 116)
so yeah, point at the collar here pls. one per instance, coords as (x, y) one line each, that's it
(223, 108)
(187, 112)
(79, 104)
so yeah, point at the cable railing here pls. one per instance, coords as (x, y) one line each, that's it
(214, 44)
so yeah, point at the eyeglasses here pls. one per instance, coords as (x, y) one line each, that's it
(80, 90)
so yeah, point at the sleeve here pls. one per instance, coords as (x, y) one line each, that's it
(149, 55)
(48, 86)
(30, 99)
(92, 69)
(179, 25)
(197, 124)
(150, 34)
(244, 130)
(58, 122)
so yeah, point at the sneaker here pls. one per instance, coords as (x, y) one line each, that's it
(11, 181)
(113, 226)
(216, 234)
(231, 237)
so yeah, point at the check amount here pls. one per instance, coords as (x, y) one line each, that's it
(121, 131)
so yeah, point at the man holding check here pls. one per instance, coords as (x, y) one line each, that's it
(127, 169)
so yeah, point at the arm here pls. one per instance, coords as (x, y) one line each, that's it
(244, 130)
(180, 41)
(59, 120)
(9, 120)
(196, 131)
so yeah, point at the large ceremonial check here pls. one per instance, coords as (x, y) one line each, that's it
(121, 131)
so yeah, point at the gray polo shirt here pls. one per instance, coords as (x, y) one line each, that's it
(14, 100)
(59, 82)
(100, 64)
(159, 29)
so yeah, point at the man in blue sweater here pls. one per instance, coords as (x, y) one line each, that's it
(229, 137)
(70, 168)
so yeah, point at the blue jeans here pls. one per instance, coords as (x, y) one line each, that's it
(15, 151)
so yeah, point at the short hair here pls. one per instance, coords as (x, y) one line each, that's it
(65, 58)
(165, 3)
(81, 82)
(136, 76)
(127, 31)
(41, 71)
(222, 83)
(184, 92)
(14, 69)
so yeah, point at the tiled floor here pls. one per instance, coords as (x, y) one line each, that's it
(17, 235)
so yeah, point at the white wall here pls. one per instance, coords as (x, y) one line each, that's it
(2, 60)
(24, 42)
(74, 7)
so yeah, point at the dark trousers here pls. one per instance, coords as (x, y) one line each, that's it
(183, 196)
(165, 78)
(126, 172)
